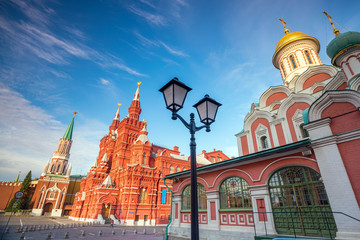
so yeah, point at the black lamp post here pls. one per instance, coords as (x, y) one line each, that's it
(175, 93)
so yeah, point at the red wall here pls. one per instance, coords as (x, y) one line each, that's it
(289, 115)
(275, 97)
(316, 78)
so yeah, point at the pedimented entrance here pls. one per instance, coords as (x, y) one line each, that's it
(300, 203)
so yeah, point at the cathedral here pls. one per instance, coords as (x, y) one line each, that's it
(125, 184)
(297, 173)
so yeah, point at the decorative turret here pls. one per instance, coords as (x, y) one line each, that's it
(344, 51)
(294, 53)
(143, 134)
(135, 109)
(61, 156)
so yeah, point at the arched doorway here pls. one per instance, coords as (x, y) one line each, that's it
(47, 208)
(105, 211)
(300, 203)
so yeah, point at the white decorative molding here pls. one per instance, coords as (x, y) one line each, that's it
(311, 71)
(270, 92)
(331, 97)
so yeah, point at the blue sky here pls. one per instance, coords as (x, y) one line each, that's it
(57, 57)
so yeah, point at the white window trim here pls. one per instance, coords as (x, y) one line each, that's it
(297, 121)
(261, 131)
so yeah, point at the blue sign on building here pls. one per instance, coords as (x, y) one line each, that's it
(163, 196)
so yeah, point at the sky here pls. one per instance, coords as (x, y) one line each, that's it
(57, 57)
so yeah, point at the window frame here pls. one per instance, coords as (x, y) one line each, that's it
(246, 199)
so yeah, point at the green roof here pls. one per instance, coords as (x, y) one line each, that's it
(341, 42)
(267, 152)
(69, 130)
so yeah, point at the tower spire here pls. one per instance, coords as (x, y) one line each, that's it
(69, 130)
(286, 31)
(336, 31)
(117, 114)
(137, 96)
(17, 178)
(135, 109)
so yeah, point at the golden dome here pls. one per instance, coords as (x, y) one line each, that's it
(292, 37)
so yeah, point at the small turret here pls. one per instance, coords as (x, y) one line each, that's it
(344, 51)
(135, 109)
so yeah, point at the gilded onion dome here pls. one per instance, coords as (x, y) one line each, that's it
(290, 38)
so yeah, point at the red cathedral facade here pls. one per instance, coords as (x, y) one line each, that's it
(125, 183)
(298, 167)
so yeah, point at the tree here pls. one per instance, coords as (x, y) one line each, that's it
(24, 202)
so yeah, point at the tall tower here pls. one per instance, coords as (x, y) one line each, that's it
(59, 162)
(52, 188)
(294, 53)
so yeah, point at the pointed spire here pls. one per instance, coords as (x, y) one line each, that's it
(104, 158)
(286, 31)
(69, 170)
(95, 164)
(17, 178)
(69, 130)
(137, 96)
(107, 182)
(117, 114)
(336, 31)
(45, 168)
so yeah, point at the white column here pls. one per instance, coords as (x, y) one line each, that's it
(212, 198)
(176, 200)
(335, 178)
(262, 192)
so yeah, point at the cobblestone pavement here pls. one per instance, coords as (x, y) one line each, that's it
(62, 224)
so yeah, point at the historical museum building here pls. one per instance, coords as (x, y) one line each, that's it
(55, 189)
(125, 183)
(298, 167)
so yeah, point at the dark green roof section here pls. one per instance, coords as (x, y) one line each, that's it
(78, 176)
(305, 114)
(341, 42)
(69, 130)
(263, 153)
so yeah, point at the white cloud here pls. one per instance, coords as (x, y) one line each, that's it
(104, 81)
(151, 18)
(173, 51)
(30, 136)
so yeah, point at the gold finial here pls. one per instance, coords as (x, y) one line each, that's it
(138, 83)
(286, 31)
(144, 120)
(336, 31)
(119, 104)
(74, 113)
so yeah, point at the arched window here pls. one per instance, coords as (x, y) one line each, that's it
(172, 170)
(212, 159)
(283, 69)
(308, 57)
(186, 197)
(304, 132)
(264, 142)
(144, 159)
(234, 193)
(143, 195)
(294, 189)
(178, 169)
(292, 59)
(58, 167)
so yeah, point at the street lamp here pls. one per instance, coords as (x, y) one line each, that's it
(174, 94)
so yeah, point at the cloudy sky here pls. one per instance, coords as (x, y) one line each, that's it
(57, 57)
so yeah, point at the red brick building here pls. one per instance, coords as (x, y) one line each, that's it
(125, 183)
(298, 167)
